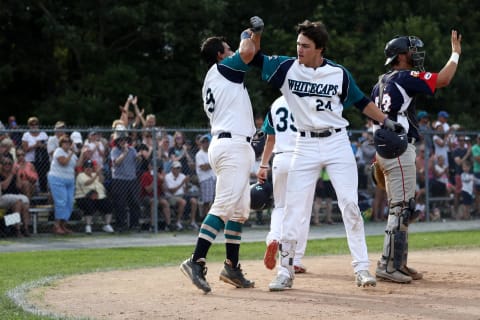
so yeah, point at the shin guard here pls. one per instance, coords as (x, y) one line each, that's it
(287, 254)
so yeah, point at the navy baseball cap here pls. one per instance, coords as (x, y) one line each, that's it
(443, 114)
(422, 114)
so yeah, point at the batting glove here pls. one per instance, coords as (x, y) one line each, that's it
(392, 125)
(257, 24)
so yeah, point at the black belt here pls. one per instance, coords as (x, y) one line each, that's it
(321, 134)
(229, 135)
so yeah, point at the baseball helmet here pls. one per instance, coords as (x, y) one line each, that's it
(405, 44)
(390, 144)
(261, 195)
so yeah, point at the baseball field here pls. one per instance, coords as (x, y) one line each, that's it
(145, 283)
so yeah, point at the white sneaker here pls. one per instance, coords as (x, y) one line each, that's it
(88, 229)
(280, 283)
(194, 226)
(179, 226)
(108, 228)
(363, 278)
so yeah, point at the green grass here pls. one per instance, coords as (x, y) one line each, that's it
(22, 267)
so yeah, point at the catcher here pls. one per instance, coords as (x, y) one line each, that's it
(395, 94)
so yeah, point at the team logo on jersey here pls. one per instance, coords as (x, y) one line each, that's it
(415, 74)
(427, 75)
(304, 89)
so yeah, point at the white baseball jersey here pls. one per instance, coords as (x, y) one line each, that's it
(227, 103)
(316, 97)
(279, 121)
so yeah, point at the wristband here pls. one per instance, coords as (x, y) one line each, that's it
(244, 35)
(454, 57)
(264, 166)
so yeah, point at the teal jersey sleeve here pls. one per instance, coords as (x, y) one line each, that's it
(273, 67)
(267, 126)
(235, 62)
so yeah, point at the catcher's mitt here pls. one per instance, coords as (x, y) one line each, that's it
(377, 176)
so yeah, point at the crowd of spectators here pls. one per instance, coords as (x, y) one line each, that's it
(112, 172)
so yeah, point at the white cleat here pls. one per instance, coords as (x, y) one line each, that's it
(363, 278)
(280, 283)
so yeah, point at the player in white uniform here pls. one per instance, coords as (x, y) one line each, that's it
(317, 90)
(281, 135)
(227, 105)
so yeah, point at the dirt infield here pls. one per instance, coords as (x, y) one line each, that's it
(450, 290)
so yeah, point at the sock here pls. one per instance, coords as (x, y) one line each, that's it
(207, 234)
(233, 237)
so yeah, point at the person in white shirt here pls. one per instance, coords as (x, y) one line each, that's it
(205, 174)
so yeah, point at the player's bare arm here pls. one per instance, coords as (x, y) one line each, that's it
(250, 40)
(266, 155)
(448, 71)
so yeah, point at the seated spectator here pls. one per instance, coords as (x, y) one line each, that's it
(440, 185)
(34, 143)
(146, 194)
(467, 179)
(176, 189)
(7, 148)
(26, 173)
(205, 175)
(11, 197)
(91, 196)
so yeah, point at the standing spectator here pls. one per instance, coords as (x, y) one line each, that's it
(467, 179)
(228, 107)
(176, 184)
(11, 195)
(367, 149)
(61, 179)
(163, 148)
(460, 154)
(205, 175)
(34, 143)
(440, 144)
(323, 142)
(395, 95)
(324, 192)
(26, 173)
(52, 143)
(425, 128)
(16, 136)
(97, 147)
(442, 119)
(179, 152)
(476, 172)
(125, 187)
(146, 194)
(440, 185)
(91, 196)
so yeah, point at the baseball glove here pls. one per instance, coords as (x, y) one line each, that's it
(377, 176)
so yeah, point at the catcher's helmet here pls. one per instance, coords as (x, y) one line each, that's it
(390, 144)
(405, 44)
(261, 195)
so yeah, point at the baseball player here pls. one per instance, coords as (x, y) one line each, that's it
(317, 90)
(227, 105)
(395, 96)
(281, 135)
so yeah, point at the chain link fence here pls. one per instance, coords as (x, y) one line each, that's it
(144, 201)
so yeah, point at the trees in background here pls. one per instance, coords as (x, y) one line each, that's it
(78, 60)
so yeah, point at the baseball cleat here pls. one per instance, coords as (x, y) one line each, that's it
(363, 278)
(299, 268)
(270, 258)
(280, 283)
(196, 271)
(395, 276)
(414, 274)
(234, 276)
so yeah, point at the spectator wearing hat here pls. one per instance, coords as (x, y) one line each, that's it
(52, 144)
(442, 118)
(425, 129)
(205, 175)
(176, 189)
(34, 143)
(77, 141)
(61, 179)
(91, 196)
(125, 188)
(460, 155)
